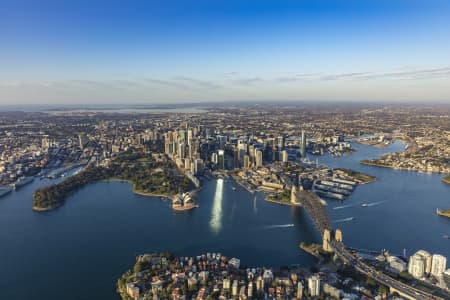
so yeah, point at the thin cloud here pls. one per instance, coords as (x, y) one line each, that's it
(248, 81)
(297, 77)
(191, 83)
(413, 74)
(344, 76)
(168, 83)
(198, 82)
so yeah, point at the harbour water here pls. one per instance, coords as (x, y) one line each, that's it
(79, 250)
(401, 206)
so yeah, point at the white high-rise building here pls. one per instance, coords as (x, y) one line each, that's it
(427, 256)
(416, 266)
(438, 265)
(284, 156)
(250, 290)
(259, 158)
(299, 290)
(234, 288)
(314, 285)
(226, 284)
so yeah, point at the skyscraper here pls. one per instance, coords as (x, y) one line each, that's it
(438, 265)
(246, 161)
(236, 157)
(280, 142)
(416, 266)
(221, 159)
(259, 158)
(299, 290)
(427, 258)
(303, 145)
(284, 156)
(314, 285)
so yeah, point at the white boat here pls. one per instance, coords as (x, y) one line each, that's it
(364, 205)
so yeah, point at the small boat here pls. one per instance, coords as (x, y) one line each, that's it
(364, 205)
(446, 236)
(233, 188)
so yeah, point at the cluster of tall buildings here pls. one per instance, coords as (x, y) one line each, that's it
(188, 144)
(423, 264)
(183, 146)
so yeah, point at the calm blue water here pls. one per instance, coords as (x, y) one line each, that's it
(83, 247)
(402, 207)
(79, 250)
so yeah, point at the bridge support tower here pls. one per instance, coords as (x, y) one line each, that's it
(326, 241)
(338, 235)
(294, 195)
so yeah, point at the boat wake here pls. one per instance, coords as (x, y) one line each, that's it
(358, 204)
(343, 220)
(375, 203)
(344, 206)
(278, 226)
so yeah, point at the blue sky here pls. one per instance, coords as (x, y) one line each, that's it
(70, 52)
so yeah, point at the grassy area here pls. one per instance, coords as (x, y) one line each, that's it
(283, 197)
(147, 176)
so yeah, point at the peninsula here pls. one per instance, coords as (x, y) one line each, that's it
(422, 154)
(150, 175)
(446, 179)
(444, 213)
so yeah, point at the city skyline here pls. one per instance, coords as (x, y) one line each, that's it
(147, 53)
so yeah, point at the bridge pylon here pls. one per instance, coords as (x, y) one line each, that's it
(327, 241)
(294, 195)
(338, 235)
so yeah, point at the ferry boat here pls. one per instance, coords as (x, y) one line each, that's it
(21, 182)
(4, 191)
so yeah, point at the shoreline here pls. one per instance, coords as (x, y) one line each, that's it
(446, 180)
(161, 196)
(138, 192)
(281, 202)
(49, 208)
(408, 142)
(374, 164)
(184, 207)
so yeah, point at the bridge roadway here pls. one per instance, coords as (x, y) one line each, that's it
(317, 212)
(400, 287)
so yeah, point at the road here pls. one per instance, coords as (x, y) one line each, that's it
(378, 276)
